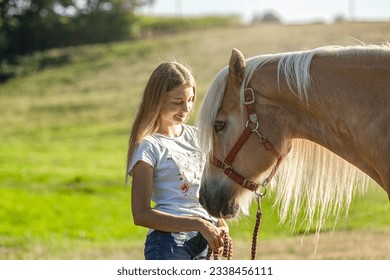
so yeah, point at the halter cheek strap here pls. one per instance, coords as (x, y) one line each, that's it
(252, 126)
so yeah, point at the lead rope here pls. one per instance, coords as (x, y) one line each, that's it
(227, 249)
(228, 242)
(259, 215)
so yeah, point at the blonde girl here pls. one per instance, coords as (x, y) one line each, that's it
(166, 165)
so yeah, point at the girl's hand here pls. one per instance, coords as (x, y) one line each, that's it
(213, 234)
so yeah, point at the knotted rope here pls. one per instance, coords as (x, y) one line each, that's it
(259, 215)
(227, 249)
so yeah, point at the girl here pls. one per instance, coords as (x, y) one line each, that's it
(166, 167)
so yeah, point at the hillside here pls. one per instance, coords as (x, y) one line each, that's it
(64, 133)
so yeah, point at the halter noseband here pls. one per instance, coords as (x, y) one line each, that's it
(251, 126)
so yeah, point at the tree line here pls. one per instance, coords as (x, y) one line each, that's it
(27, 26)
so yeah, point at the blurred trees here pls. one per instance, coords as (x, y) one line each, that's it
(268, 17)
(35, 25)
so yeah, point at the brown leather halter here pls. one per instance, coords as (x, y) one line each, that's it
(252, 126)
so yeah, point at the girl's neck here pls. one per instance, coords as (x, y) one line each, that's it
(171, 131)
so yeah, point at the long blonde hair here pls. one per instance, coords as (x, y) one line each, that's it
(166, 77)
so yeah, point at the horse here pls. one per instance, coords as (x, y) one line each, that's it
(319, 120)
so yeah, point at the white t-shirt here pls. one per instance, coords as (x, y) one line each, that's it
(178, 165)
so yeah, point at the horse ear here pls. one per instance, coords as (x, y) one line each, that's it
(236, 68)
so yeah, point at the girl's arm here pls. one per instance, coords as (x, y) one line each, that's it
(146, 216)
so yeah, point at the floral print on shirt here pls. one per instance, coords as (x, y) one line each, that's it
(189, 173)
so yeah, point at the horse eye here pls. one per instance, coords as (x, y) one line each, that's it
(219, 126)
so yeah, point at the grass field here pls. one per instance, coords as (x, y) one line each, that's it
(64, 132)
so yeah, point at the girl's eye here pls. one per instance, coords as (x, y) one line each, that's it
(219, 126)
(181, 102)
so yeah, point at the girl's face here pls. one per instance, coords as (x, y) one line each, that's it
(176, 106)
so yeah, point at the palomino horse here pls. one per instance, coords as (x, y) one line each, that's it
(321, 113)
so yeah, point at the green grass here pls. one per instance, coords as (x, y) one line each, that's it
(64, 132)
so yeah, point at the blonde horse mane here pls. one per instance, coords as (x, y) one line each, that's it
(312, 180)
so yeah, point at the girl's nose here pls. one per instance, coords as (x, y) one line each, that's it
(186, 107)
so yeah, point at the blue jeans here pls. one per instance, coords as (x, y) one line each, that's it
(161, 245)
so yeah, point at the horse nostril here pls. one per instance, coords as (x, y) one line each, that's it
(229, 210)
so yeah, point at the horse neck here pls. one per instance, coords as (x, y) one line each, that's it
(346, 104)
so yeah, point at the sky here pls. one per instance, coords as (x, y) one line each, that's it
(288, 11)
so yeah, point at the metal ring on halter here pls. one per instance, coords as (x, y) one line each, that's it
(254, 129)
(260, 193)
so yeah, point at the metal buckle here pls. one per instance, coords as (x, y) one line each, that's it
(248, 92)
(225, 166)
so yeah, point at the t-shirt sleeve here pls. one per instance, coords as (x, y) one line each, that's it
(147, 152)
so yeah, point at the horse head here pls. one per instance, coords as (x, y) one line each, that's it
(233, 119)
